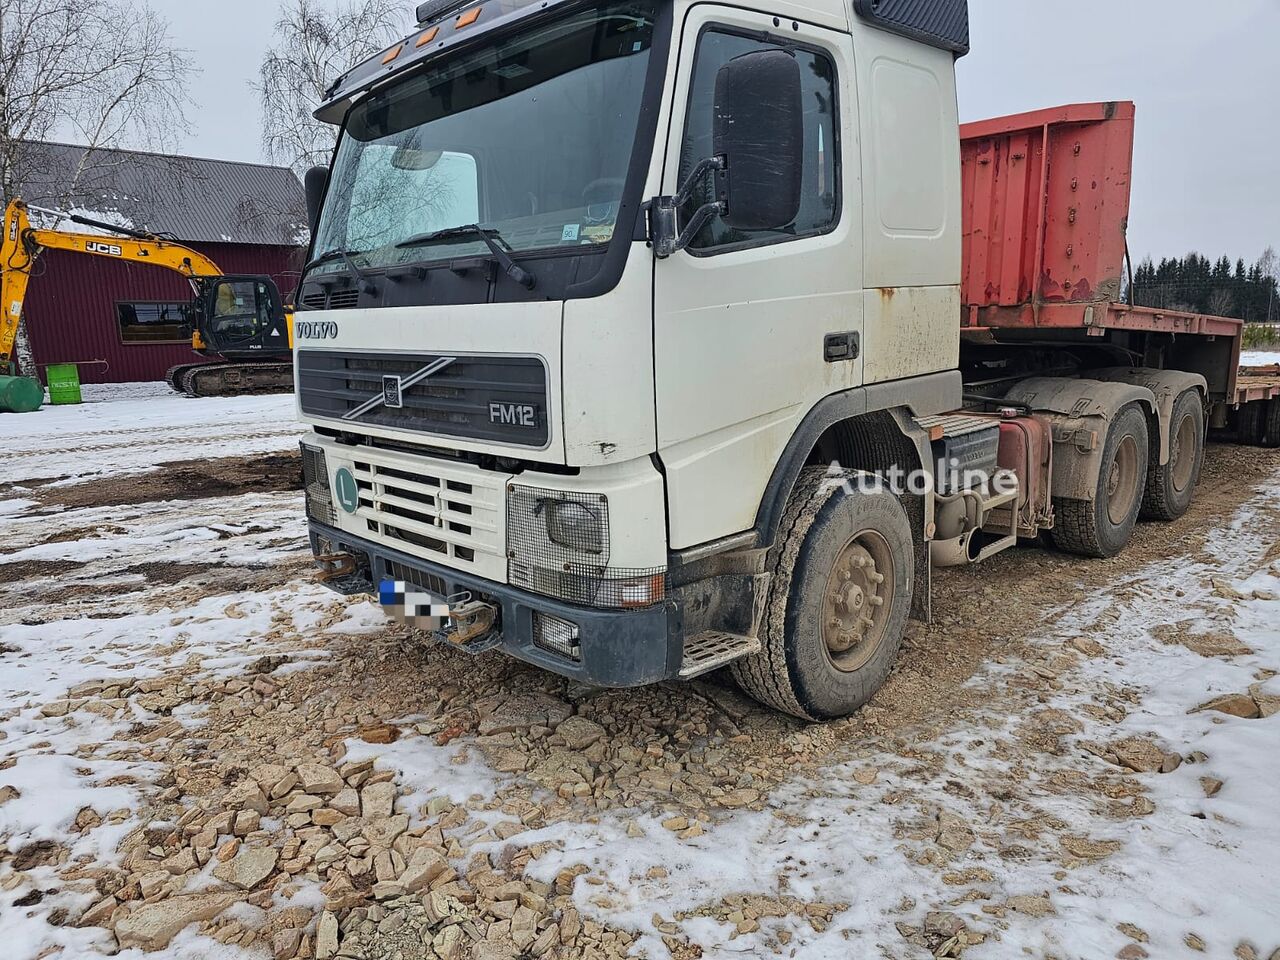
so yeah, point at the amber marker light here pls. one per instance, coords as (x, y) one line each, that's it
(393, 53)
(427, 37)
(467, 19)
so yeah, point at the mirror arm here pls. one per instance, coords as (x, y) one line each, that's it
(664, 227)
(691, 182)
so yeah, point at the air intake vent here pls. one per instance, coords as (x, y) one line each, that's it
(320, 298)
(343, 299)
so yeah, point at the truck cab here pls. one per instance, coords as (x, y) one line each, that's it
(608, 304)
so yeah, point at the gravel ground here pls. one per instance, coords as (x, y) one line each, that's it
(204, 753)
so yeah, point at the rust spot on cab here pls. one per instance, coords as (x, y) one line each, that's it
(888, 293)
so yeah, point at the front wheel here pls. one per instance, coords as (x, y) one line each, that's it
(842, 571)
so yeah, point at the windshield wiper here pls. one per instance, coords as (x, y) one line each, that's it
(488, 235)
(345, 256)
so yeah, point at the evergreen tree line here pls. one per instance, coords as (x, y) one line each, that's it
(1198, 285)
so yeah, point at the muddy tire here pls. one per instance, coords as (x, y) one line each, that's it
(1271, 424)
(1103, 526)
(1172, 486)
(842, 569)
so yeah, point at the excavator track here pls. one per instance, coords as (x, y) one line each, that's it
(173, 376)
(235, 379)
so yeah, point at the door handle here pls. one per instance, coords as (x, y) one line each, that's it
(837, 347)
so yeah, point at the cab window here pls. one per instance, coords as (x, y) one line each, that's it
(819, 203)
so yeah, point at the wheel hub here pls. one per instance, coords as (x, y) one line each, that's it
(1123, 481)
(855, 604)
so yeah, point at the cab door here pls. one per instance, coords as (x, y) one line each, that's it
(748, 325)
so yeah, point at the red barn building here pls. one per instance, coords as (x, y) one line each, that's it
(126, 322)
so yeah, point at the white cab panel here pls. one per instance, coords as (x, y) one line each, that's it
(608, 364)
(738, 335)
(910, 331)
(910, 161)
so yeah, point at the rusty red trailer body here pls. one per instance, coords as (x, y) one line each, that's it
(1046, 209)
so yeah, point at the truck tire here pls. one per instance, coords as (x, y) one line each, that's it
(1271, 424)
(1171, 487)
(1251, 423)
(842, 569)
(1102, 527)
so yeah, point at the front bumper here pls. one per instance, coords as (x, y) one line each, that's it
(618, 648)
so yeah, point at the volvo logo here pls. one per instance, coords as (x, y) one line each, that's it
(316, 329)
(392, 393)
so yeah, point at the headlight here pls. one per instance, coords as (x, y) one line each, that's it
(558, 545)
(315, 481)
(574, 525)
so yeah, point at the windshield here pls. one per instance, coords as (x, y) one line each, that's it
(530, 136)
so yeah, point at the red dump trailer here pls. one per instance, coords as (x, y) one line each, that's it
(1046, 210)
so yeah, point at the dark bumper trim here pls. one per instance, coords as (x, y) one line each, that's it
(620, 648)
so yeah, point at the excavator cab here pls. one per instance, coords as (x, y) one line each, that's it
(241, 318)
(241, 323)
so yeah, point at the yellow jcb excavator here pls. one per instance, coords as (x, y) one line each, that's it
(240, 324)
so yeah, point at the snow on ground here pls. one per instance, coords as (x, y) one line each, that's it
(130, 428)
(101, 624)
(1259, 358)
(1207, 867)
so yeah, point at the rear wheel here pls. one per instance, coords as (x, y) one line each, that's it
(1271, 424)
(1171, 486)
(1102, 527)
(839, 597)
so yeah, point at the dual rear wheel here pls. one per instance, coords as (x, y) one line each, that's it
(1132, 482)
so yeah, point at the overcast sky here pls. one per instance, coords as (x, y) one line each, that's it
(1205, 76)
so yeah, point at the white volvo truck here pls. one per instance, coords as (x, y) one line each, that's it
(599, 292)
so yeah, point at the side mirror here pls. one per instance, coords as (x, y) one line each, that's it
(314, 184)
(757, 138)
(759, 131)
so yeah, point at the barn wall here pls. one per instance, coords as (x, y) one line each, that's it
(70, 310)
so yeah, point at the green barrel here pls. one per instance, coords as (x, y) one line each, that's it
(20, 394)
(64, 383)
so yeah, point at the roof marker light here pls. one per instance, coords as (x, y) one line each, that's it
(393, 53)
(427, 37)
(467, 18)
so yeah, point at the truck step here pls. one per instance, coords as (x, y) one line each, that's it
(711, 649)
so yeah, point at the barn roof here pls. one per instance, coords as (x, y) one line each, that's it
(196, 200)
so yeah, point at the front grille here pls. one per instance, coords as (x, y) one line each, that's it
(437, 514)
(494, 397)
(418, 578)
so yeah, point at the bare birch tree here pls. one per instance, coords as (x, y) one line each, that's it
(317, 40)
(100, 72)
